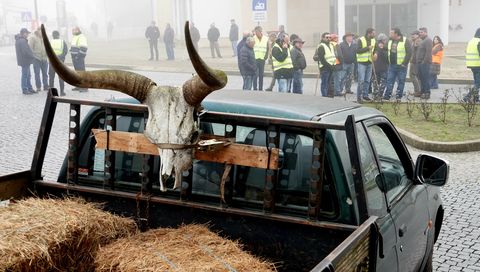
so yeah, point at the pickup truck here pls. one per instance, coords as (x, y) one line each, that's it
(345, 194)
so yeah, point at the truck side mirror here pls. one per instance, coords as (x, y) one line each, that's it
(431, 170)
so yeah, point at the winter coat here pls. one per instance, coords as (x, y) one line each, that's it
(280, 55)
(381, 63)
(424, 51)
(37, 46)
(298, 59)
(347, 53)
(168, 35)
(195, 34)
(152, 33)
(248, 65)
(233, 32)
(240, 45)
(213, 34)
(23, 50)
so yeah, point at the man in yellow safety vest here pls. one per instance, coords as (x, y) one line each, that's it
(282, 63)
(325, 56)
(365, 47)
(260, 50)
(78, 51)
(473, 60)
(60, 49)
(399, 53)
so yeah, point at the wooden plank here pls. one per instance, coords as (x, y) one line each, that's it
(14, 185)
(237, 154)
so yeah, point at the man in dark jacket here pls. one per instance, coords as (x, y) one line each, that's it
(168, 39)
(282, 63)
(60, 49)
(240, 45)
(380, 66)
(325, 56)
(299, 63)
(24, 59)
(195, 35)
(234, 36)
(413, 74)
(153, 34)
(213, 35)
(399, 52)
(247, 63)
(346, 54)
(424, 60)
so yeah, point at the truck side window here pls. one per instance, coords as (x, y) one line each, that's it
(375, 198)
(393, 172)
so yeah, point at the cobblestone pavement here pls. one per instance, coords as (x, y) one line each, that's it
(458, 247)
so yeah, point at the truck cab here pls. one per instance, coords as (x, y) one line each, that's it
(346, 193)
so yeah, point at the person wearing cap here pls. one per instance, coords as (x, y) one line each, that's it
(40, 62)
(365, 47)
(24, 60)
(260, 49)
(424, 59)
(299, 64)
(60, 49)
(282, 63)
(325, 56)
(346, 55)
(399, 53)
(233, 36)
(247, 63)
(78, 51)
(413, 74)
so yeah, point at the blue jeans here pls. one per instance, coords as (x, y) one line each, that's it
(297, 85)
(433, 81)
(396, 73)
(258, 78)
(284, 84)
(40, 66)
(325, 76)
(424, 75)
(25, 79)
(476, 77)
(379, 90)
(346, 76)
(170, 52)
(364, 75)
(337, 81)
(247, 82)
(234, 48)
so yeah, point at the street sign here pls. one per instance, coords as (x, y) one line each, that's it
(26, 16)
(259, 5)
(259, 10)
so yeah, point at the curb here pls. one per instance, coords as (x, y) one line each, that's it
(237, 73)
(435, 146)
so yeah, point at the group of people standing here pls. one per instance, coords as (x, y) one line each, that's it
(255, 50)
(152, 33)
(31, 50)
(380, 62)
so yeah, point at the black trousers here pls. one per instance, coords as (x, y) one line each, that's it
(258, 79)
(78, 62)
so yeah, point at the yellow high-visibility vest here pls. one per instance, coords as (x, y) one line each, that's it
(329, 54)
(260, 48)
(286, 63)
(401, 51)
(57, 46)
(366, 56)
(472, 57)
(79, 41)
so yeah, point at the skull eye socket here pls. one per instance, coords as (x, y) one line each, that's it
(195, 137)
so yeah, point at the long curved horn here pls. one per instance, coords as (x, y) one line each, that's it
(129, 83)
(207, 81)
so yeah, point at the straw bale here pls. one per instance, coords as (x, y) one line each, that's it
(188, 248)
(56, 235)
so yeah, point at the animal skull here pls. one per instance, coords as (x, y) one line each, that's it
(170, 123)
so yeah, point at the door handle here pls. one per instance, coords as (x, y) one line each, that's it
(402, 230)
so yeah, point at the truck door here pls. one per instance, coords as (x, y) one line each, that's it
(406, 201)
(375, 201)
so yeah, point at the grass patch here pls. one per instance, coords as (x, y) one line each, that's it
(454, 129)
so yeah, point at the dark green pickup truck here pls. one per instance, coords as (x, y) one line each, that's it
(346, 196)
